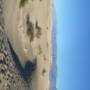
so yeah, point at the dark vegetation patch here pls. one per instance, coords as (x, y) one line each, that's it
(47, 44)
(40, 50)
(40, 0)
(43, 71)
(0, 81)
(30, 28)
(23, 2)
(47, 27)
(38, 28)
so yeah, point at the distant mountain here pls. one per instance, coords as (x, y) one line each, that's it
(53, 71)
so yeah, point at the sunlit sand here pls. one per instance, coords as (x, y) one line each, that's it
(29, 28)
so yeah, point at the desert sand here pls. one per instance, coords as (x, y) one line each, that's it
(34, 15)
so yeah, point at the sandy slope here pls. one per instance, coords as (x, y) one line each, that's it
(12, 19)
(16, 28)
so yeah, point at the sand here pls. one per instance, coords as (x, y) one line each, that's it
(40, 15)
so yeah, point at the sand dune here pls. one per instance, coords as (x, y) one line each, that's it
(29, 30)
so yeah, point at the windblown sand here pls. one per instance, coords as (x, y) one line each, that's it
(40, 15)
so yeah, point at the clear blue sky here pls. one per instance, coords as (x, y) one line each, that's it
(73, 42)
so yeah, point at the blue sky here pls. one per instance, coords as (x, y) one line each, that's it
(73, 42)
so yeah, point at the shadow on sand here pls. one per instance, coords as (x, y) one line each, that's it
(26, 71)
